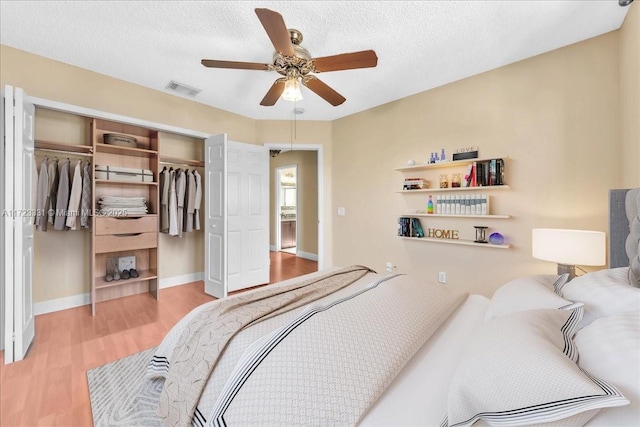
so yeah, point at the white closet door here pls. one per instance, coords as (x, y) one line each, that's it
(6, 225)
(215, 201)
(248, 215)
(236, 216)
(19, 199)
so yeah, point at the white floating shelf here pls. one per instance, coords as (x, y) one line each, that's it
(456, 242)
(422, 214)
(445, 164)
(435, 190)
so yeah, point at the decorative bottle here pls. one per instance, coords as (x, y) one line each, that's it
(430, 205)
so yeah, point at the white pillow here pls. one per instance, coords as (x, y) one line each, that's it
(527, 293)
(609, 348)
(603, 292)
(519, 369)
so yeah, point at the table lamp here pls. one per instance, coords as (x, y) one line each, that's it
(568, 248)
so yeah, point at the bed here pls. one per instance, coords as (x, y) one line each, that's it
(348, 346)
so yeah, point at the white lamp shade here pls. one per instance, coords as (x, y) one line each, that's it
(570, 247)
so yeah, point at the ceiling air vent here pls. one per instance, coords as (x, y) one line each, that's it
(183, 89)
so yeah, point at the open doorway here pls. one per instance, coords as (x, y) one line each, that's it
(287, 212)
(309, 200)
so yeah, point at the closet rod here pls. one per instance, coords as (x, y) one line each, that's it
(69, 153)
(189, 165)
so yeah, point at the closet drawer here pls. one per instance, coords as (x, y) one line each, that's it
(123, 225)
(119, 242)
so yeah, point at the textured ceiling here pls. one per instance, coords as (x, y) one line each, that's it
(420, 44)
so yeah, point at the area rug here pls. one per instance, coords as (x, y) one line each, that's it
(121, 395)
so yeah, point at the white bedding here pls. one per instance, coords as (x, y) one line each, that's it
(418, 395)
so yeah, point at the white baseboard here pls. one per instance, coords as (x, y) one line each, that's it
(272, 248)
(307, 255)
(58, 304)
(79, 300)
(168, 282)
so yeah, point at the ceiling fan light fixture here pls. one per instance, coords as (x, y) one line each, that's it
(292, 90)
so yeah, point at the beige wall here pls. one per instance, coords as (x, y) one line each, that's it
(630, 96)
(555, 116)
(307, 202)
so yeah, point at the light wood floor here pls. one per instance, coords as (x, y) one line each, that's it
(49, 387)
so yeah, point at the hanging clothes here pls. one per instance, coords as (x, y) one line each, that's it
(42, 197)
(62, 197)
(197, 200)
(189, 202)
(53, 190)
(173, 205)
(85, 201)
(181, 185)
(165, 178)
(74, 198)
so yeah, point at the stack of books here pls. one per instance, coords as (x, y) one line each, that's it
(415, 184)
(484, 173)
(410, 227)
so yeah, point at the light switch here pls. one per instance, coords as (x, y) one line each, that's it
(342, 212)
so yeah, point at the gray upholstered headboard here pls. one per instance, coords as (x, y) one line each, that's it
(624, 231)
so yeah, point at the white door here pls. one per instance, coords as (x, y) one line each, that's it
(215, 202)
(6, 229)
(247, 215)
(19, 201)
(237, 216)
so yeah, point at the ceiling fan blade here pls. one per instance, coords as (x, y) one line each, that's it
(212, 63)
(324, 91)
(273, 94)
(346, 61)
(273, 24)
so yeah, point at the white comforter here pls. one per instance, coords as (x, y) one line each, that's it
(334, 366)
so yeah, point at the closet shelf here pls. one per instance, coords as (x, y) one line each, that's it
(125, 151)
(144, 275)
(181, 162)
(63, 148)
(110, 181)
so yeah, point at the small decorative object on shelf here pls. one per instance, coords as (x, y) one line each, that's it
(456, 180)
(442, 156)
(481, 231)
(411, 162)
(465, 153)
(430, 205)
(496, 239)
(444, 181)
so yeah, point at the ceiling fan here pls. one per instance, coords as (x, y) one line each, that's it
(296, 64)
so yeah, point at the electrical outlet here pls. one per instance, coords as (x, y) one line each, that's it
(389, 266)
(442, 277)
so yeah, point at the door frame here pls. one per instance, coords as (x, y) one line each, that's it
(276, 216)
(320, 159)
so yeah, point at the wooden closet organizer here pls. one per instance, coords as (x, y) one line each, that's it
(124, 235)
